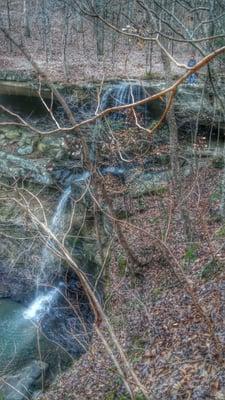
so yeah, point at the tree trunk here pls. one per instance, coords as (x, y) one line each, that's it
(9, 23)
(99, 27)
(27, 31)
(171, 119)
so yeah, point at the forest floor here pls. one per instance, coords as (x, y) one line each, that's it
(167, 341)
(123, 57)
(127, 62)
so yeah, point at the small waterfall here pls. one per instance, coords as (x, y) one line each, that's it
(41, 305)
(44, 300)
(56, 227)
(121, 94)
(57, 222)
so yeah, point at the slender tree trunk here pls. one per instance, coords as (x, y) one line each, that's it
(27, 31)
(99, 27)
(174, 152)
(65, 41)
(9, 23)
(171, 120)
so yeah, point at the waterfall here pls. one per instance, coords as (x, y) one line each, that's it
(41, 305)
(121, 94)
(56, 227)
(57, 222)
(44, 300)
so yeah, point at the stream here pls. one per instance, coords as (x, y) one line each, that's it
(43, 338)
(21, 341)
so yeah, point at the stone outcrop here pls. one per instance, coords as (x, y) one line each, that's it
(191, 101)
(21, 385)
(15, 167)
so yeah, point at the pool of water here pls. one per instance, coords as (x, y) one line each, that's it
(21, 342)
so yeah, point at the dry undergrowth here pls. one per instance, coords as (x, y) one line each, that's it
(156, 322)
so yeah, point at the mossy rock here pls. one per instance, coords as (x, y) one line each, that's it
(12, 134)
(41, 147)
(25, 150)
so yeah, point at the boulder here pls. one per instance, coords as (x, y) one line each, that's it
(17, 167)
(25, 150)
(12, 134)
(24, 383)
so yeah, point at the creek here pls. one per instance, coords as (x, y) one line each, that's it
(53, 324)
(22, 341)
(42, 339)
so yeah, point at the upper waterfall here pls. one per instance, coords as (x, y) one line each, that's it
(123, 93)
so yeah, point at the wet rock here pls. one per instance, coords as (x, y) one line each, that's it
(22, 385)
(25, 150)
(17, 167)
(15, 285)
(3, 141)
(145, 183)
(60, 155)
(12, 134)
(41, 147)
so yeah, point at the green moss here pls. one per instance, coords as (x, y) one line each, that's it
(218, 162)
(123, 214)
(221, 232)
(140, 396)
(122, 265)
(215, 196)
(211, 269)
(158, 191)
(141, 204)
(156, 293)
(110, 396)
(113, 396)
(191, 253)
(136, 348)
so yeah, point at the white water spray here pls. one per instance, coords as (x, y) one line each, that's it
(41, 305)
(123, 93)
(43, 301)
(56, 227)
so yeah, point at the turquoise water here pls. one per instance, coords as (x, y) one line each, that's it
(22, 342)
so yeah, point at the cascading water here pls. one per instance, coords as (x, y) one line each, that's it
(124, 93)
(41, 305)
(56, 227)
(48, 329)
(50, 309)
(44, 300)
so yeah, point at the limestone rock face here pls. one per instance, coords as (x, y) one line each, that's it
(16, 167)
(14, 286)
(196, 101)
(25, 150)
